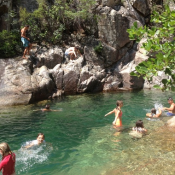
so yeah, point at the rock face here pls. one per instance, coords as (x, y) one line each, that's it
(105, 66)
(19, 86)
(5, 7)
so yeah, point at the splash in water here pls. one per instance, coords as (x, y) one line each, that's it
(28, 157)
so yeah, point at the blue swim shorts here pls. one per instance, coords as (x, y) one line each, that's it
(170, 114)
(67, 54)
(25, 42)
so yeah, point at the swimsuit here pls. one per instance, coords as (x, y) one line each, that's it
(25, 42)
(8, 164)
(67, 53)
(138, 129)
(170, 114)
(118, 122)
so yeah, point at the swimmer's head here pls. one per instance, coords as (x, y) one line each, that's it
(170, 100)
(119, 103)
(153, 111)
(139, 123)
(40, 138)
(47, 106)
(4, 148)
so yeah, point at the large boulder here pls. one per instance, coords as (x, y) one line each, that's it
(14, 83)
(18, 85)
(49, 57)
(113, 82)
(142, 6)
(5, 8)
(42, 85)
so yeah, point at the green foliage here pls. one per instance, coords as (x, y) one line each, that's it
(49, 22)
(98, 49)
(159, 46)
(10, 43)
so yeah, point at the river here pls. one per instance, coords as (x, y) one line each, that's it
(81, 141)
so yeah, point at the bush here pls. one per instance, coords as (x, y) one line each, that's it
(50, 21)
(10, 43)
(98, 49)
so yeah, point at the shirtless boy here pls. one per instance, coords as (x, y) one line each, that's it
(171, 109)
(25, 41)
(72, 52)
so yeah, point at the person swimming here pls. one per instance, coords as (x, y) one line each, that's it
(38, 141)
(139, 127)
(138, 131)
(118, 114)
(153, 113)
(47, 108)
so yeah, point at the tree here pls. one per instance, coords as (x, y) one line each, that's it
(160, 47)
(50, 20)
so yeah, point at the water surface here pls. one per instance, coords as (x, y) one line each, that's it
(80, 140)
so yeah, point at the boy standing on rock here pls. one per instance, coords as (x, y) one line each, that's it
(25, 41)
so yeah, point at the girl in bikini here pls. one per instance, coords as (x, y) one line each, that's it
(118, 114)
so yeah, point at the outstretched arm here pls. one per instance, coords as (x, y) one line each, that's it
(148, 114)
(159, 114)
(29, 146)
(55, 110)
(109, 113)
(171, 108)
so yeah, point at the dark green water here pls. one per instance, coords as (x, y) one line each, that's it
(81, 141)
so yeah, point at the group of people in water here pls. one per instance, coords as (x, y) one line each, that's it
(7, 165)
(139, 127)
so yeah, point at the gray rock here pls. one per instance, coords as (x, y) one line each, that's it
(50, 58)
(142, 6)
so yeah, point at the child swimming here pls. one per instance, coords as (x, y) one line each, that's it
(153, 113)
(118, 114)
(139, 127)
(138, 131)
(47, 108)
(38, 141)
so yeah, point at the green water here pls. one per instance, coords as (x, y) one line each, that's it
(81, 141)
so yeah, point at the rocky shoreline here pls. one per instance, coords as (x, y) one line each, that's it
(49, 74)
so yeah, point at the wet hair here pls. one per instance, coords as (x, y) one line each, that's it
(26, 25)
(139, 123)
(47, 106)
(77, 47)
(153, 110)
(41, 134)
(119, 102)
(171, 99)
(5, 148)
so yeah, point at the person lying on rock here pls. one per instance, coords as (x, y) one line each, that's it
(72, 52)
(25, 40)
(153, 113)
(171, 109)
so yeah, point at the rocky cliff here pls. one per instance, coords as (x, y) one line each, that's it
(48, 73)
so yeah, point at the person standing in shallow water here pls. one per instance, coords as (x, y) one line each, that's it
(118, 114)
(25, 41)
(7, 165)
(171, 109)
